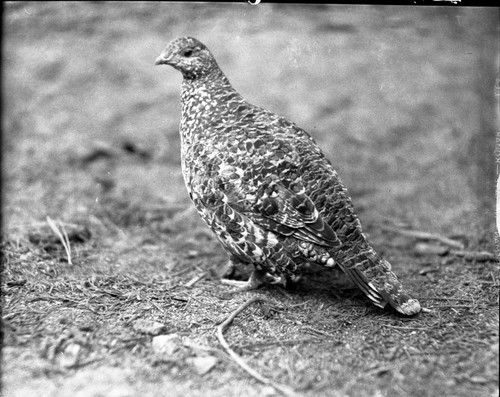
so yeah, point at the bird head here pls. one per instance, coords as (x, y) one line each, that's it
(189, 56)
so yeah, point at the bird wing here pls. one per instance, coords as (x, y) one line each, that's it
(283, 206)
(267, 175)
(245, 239)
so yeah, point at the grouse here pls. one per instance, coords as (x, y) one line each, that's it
(265, 188)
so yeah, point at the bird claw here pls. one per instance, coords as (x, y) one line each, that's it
(257, 279)
(241, 286)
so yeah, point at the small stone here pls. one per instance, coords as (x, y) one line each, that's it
(166, 344)
(149, 327)
(478, 379)
(430, 249)
(203, 364)
(71, 355)
(268, 391)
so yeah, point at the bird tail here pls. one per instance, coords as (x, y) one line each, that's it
(373, 275)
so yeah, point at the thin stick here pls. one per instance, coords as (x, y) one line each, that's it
(458, 306)
(194, 280)
(237, 359)
(426, 236)
(320, 332)
(480, 256)
(405, 328)
(446, 299)
(382, 368)
(281, 342)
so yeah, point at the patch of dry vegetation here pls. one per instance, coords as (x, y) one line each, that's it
(90, 139)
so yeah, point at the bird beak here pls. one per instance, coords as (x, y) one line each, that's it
(164, 59)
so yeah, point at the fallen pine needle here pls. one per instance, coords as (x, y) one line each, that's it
(237, 359)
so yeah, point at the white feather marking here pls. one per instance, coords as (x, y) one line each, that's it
(271, 240)
(330, 262)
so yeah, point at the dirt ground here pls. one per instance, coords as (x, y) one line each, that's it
(401, 99)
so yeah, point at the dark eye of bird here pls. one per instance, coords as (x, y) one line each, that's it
(187, 53)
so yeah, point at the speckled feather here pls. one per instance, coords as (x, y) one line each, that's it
(264, 187)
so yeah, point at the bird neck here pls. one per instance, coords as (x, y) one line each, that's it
(212, 85)
(205, 100)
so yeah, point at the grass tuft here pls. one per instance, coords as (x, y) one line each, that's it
(61, 234)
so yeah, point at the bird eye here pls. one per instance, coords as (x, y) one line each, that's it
(187, 53)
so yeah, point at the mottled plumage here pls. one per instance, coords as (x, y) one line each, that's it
(265, 188)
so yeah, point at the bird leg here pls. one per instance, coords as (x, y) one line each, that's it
(234, 269)
(227, 270)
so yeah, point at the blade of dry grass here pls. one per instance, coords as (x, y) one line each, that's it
(62, 235)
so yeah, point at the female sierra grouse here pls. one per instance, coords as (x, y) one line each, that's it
(265, 188)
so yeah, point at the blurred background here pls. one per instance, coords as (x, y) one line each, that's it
(401, 99)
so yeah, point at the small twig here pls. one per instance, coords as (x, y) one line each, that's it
(428, 270)
(63, 237)
(179, 299)
(488, 283)
(432, 249)
(493, 278)
(286, 342)
(446, 299)
(457, 307)
(160, 309)
(382, 368)
(177, 274)
(194, 280)
(425, 236)
(480, 256)
(320, 332)
(406, 328)
(237, 359)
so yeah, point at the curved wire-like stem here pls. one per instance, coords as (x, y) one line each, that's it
(238, 360)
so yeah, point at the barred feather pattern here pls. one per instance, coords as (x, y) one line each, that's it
(265, 188)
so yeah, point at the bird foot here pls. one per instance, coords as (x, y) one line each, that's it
(257, 279)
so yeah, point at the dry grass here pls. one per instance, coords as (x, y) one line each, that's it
(90, 137)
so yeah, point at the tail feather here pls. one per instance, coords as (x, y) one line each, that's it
(364, 285)
(375, 278)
